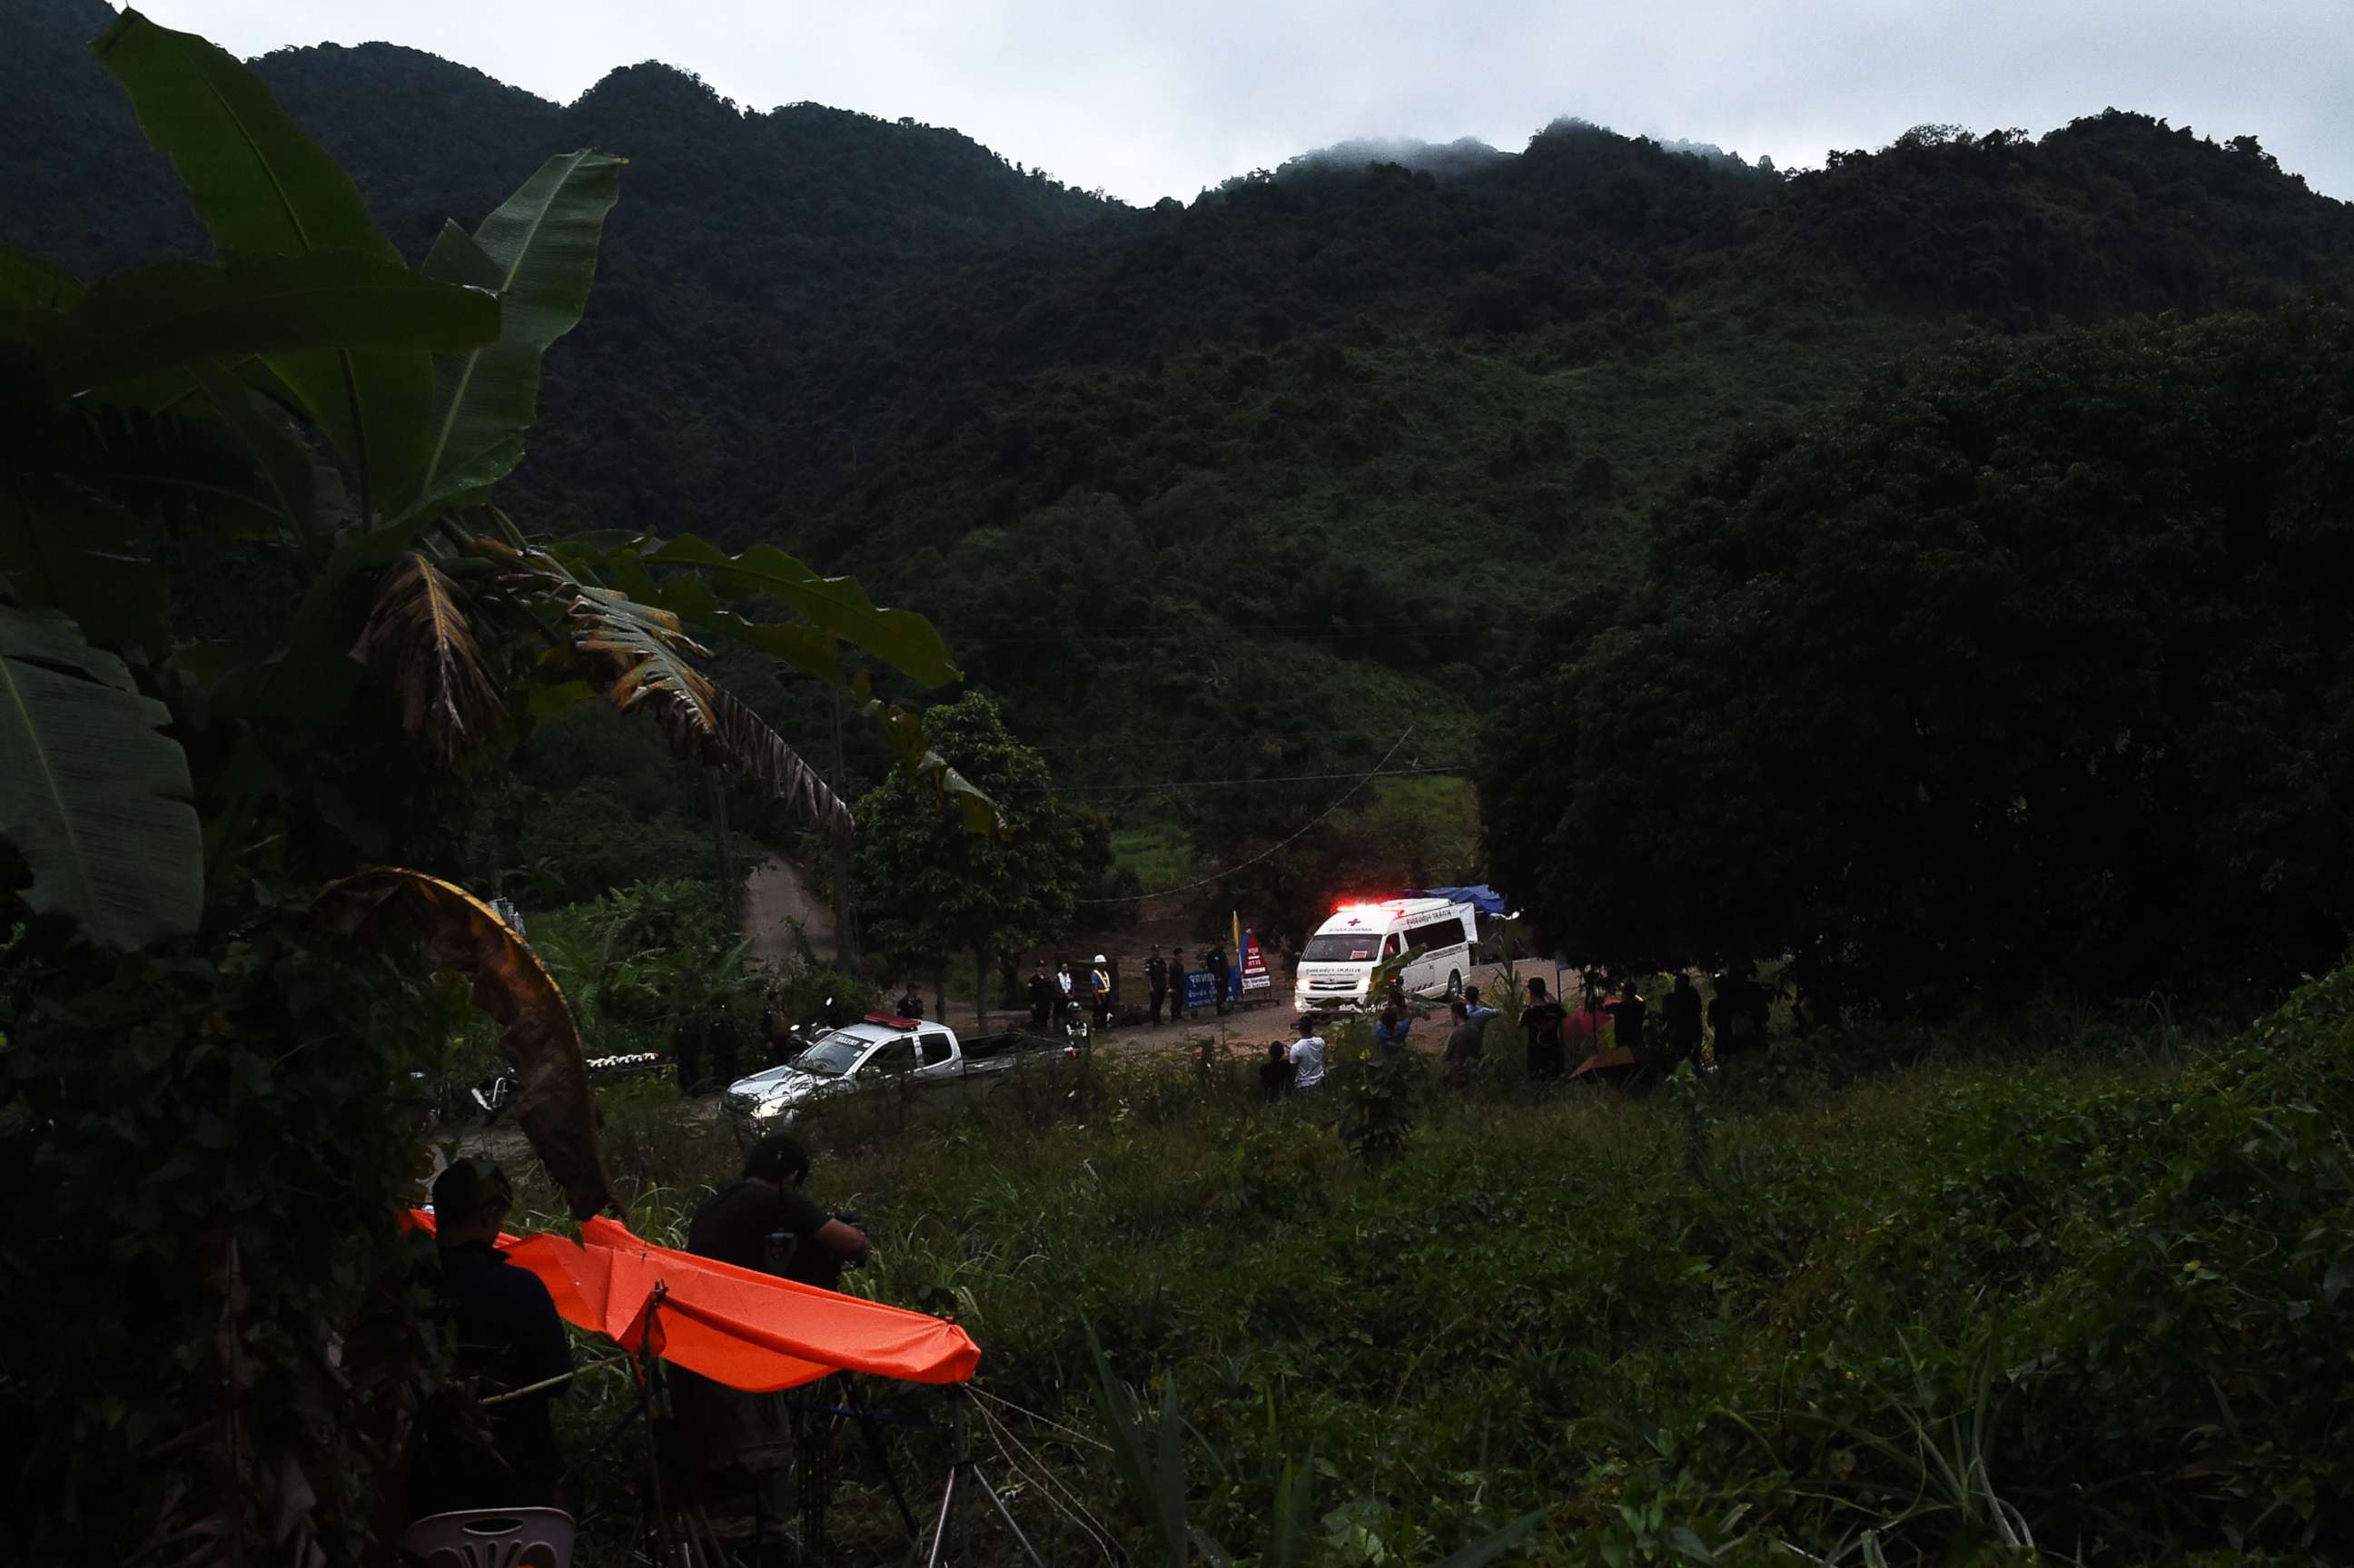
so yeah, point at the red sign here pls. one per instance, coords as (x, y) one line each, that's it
(1255, 975)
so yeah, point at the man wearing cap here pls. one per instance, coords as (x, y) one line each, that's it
(1100, 990)
(765, 1221)
(768, 1224)
(510, 1344)
(1156, 985)
(1042, 997)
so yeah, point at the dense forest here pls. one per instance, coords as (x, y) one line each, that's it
(1923, 576)
(2028, 674)
(1319, 447)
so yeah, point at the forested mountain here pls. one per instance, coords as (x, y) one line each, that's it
(1246, 483)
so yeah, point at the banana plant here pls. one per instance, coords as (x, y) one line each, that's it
(310, 392)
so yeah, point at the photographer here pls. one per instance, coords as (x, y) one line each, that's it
(766, 1221)
(728, 1438)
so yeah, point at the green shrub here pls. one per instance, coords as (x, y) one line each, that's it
(1935, 1293)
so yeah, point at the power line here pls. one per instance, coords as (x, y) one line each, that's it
(1338, 802)
(1198, 743)
(1231, 783)
(1225, 633)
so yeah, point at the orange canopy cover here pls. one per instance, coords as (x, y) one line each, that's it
(749, 1331)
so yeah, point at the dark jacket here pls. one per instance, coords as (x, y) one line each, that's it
(508, 1337)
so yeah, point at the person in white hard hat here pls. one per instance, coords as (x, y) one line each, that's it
(1099, 988)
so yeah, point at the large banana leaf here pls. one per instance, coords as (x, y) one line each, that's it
(538, 254)
(843, 614)
(648, 662)
(553, 1105)
(762, 753)
(32, 290)
(306, 494)
(163, 317)
(904, 728)
(30, 283)
(652, 665)
(836, 605)
(262, 187)
(178, 474)
(689, 596)
(65, 549)
(92, 796)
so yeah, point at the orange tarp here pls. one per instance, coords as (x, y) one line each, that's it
(749, 1331)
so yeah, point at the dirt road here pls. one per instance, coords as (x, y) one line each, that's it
(774, 900)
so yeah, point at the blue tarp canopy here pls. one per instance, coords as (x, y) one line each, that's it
(1483, 898)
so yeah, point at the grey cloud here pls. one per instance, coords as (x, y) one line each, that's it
(1156, 98)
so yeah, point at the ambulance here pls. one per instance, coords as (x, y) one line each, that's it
(1336, 966)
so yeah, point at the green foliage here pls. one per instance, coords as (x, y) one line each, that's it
(1379, 1094)
(1395, 834)
(91, 794)
(808, 993)
(590, 838)
(1970, 1290)
(928, 889)
(660, 950)
(2022, 675)
(261, 188)
(231, 1128)
(1328, 443)
(536, 254)
(166, 317)
(224, 1104)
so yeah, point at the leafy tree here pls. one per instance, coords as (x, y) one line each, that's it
(662, 950)
(2032, 672)
(212, 985)
(1304, 411)
(927, 889)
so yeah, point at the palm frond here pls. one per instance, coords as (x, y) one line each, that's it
(649, 662)
(762, 753)
(419, 629)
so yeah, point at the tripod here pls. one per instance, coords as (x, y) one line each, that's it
(963, 1465)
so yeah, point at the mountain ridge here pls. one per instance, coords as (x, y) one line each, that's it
(1300, 446)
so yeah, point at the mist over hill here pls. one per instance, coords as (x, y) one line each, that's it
(1255, 481)
(1460, 156)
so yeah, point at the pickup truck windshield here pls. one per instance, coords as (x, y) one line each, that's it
(833, 1056)
(1340, 947)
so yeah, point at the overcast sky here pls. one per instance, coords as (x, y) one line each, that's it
(1153, 98)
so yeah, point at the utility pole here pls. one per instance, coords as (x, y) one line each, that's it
(846, 929)
(714, 780)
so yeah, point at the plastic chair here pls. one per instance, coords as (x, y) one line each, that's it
(491, 1538)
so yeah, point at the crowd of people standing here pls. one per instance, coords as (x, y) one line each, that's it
(1061, 995)
(1559, 1034)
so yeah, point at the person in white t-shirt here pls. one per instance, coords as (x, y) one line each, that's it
(1308, 1057)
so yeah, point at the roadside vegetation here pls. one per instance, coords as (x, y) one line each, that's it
(2066, 1288)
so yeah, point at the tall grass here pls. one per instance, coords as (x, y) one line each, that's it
(1859, 1300)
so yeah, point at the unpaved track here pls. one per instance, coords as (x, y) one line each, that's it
(775, 896)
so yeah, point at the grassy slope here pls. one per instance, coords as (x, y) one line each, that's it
(1731, 1303)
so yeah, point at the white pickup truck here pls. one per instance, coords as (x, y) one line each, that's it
(879, 1052)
